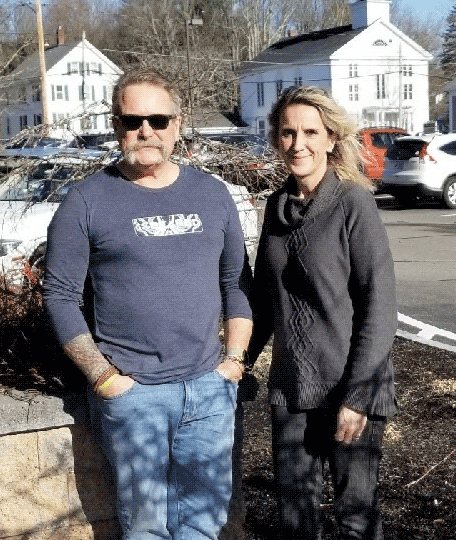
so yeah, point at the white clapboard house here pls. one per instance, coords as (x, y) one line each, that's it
(79, 82)
(376, 72)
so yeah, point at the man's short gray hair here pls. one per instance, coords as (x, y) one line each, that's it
(144, 75)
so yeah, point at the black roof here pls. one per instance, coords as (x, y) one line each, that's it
(306, 48)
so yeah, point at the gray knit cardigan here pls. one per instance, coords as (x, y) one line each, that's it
(324, 285)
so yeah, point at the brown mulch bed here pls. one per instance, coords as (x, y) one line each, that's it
(418, 477)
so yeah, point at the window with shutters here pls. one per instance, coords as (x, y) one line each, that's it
(262, 128)
(72, 67)
(381, 88)
(36, 92)
(83, 92)
(408, 91)
(260, 94)
(279, 87)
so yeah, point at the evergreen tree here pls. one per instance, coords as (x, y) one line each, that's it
(448, 55)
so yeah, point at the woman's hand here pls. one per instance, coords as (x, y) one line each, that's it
(350, 425)
(120, 385)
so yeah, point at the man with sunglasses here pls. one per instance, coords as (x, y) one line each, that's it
(164, 249)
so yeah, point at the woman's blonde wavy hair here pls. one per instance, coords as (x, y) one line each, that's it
(347, 156)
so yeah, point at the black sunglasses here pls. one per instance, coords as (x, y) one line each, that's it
(156, 121)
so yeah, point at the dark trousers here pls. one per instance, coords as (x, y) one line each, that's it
(301, 443)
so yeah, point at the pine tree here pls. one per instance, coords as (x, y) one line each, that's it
(448, 55)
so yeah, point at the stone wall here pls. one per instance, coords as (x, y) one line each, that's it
(55, 484)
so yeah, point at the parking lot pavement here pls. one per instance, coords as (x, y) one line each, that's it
(425, 333)
(423, 243)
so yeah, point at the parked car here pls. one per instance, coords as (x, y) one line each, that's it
(95, 141)
(28, 199)
(25, 217)
(28, 202)
(241, 159)
(208, 147)
(46, 148)
(253, 143)
(422, 166)
(34, 148)
(376, 141)
(248, 214)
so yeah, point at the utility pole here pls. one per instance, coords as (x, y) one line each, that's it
(194, 20)
(84, 119)
(400, 84)
(39, 26)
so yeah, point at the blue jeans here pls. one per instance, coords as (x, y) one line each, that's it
(301, 443)
(170, 449)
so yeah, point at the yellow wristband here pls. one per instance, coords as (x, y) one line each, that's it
(108, 382)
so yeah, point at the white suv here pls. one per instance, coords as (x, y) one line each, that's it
(28, 202)
(26, 208)
(422, 165)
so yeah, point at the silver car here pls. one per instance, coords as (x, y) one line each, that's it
(421, 166)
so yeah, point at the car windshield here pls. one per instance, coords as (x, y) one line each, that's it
(45, 142)
(44, 183)
(36, 191)
(255, 144)
(92, 141)
(405, 149)
(385, 139)
(20, 191)
(382, 140)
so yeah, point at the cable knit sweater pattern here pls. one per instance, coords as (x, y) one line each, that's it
(324, 285)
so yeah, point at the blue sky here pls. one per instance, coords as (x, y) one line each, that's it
(436, 8)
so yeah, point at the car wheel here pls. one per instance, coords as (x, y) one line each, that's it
(449, 192)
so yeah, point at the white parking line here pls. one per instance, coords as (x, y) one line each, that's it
(426, 333)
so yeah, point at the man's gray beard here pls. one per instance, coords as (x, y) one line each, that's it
(130, 154)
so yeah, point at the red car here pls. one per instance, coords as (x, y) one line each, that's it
(376, 141)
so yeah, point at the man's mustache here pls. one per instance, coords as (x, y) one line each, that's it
(140, 146)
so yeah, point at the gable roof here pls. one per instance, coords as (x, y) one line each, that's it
(30, 67)
(306, 47)
(315, 46)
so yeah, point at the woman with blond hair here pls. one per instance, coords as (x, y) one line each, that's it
(324, 286)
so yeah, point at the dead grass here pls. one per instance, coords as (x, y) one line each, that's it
(418, 495)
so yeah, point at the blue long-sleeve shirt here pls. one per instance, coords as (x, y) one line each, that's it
(163, 264)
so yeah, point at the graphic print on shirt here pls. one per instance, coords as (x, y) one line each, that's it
(168, 225)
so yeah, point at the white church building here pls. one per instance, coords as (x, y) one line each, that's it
(371, 68)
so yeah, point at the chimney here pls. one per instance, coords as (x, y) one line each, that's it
(365, 12)
(60, 36)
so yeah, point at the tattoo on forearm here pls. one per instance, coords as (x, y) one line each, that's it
(85, 354)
